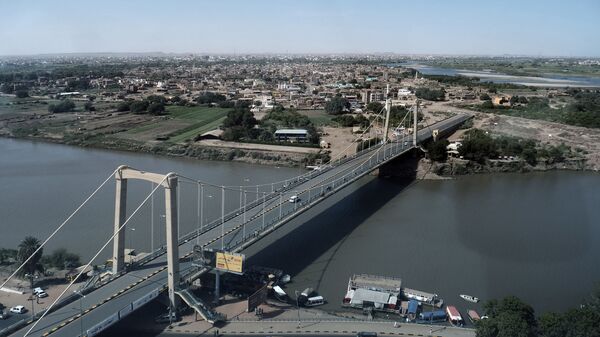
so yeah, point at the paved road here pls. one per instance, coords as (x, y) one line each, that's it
(337, 328)
(116, 295)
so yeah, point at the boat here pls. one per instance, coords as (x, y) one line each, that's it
(473, 316)
(285, 279)
(280, 294)
(469, 298)
(454, 316)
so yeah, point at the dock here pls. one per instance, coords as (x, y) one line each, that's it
(391, 285)
(423, 297)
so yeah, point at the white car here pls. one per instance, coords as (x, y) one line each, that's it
(294, 199)
(19, 309)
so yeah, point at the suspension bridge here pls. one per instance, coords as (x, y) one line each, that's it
(90, 310)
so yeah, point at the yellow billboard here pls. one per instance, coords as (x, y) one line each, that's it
(230, 262)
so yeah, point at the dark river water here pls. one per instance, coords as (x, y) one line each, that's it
(536, 235)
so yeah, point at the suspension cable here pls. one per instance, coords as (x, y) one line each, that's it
(95, 256)
(58, 228)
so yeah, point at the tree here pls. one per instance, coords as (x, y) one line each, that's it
(487, 105)
(22, 93)
(63, 106)
(123, 106)
(25, 249)
(138, 106)
(210, 97)
(485, 97)
(477, 146)
(375, 107)
(431, 94)
(344, 120)
(553, 325)
(156, 108)
(510, 317)
(337, 105)
(89, 106)
(437, 150)
(62, 259)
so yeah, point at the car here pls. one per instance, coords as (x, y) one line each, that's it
(19, 309)
(41, 294)
(37, 290)
(4, 314)
(294, 199)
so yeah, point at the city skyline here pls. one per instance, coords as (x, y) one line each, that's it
(550, 28)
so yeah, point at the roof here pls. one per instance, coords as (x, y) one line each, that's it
(361, 295)
(215, 132)
(453, 313)
(382, 283)
(413, 306)
(292, 131)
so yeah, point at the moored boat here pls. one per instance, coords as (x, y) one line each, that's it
(469, 298)
(473, 316)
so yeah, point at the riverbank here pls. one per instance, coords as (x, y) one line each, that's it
(253, 155)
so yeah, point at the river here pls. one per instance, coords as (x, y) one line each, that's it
(532, 235)
(547, 80)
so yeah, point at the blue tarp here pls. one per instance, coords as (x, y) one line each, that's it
(413, 305)
(433, 315)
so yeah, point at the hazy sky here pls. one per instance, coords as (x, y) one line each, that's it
(568, 28)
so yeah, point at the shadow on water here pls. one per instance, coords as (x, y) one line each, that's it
(318, 230)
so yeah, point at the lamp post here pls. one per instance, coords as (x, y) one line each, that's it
(31, 277)
(298, 307)
(81, 297)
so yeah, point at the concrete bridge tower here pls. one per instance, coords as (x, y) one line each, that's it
(170, 184)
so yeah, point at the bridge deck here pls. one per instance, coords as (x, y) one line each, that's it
(107, 304)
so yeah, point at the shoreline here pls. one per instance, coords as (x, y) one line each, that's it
(191, 151)
(449, 169)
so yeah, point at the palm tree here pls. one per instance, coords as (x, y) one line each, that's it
(26, 248)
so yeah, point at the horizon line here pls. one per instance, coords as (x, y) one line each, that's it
(375, 53)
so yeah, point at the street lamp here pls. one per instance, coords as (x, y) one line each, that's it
(31, 277)
(298, 307)
(81, 297)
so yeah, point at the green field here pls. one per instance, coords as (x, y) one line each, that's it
(24, 105)
(202, 119)
(318, 117)
(185, 123)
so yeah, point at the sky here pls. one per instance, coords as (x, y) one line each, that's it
(525, 27)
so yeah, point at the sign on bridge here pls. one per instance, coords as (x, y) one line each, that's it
(230, 262)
